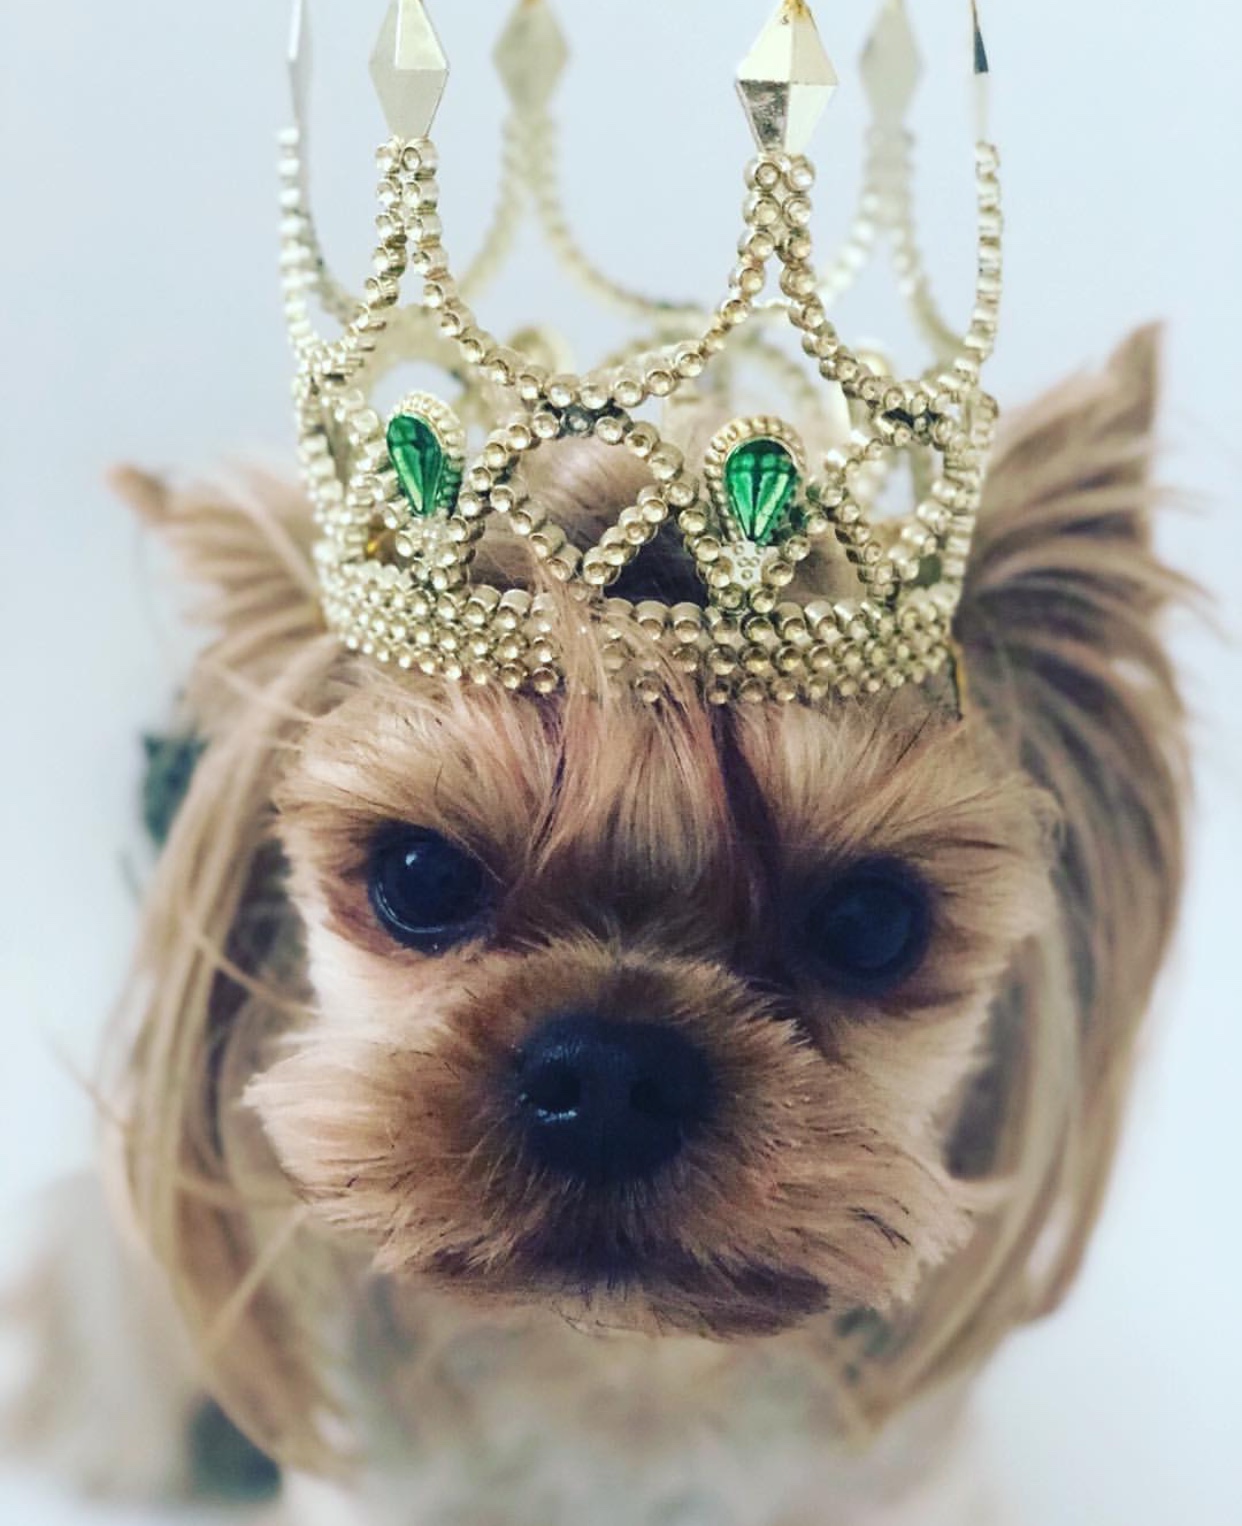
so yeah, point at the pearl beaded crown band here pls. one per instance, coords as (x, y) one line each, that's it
(401, 508)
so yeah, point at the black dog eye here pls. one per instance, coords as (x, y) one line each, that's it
(428, 893)
(868, 929)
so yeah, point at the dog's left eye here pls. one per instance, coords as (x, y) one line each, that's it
(428, 893)
(868, 928)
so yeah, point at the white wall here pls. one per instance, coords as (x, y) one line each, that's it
(140, 320)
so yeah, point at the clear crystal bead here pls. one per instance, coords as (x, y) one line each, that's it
(891, 66)
(531, 54)
(787, 80)
(410, 69)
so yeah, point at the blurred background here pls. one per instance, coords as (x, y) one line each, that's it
(141, 321)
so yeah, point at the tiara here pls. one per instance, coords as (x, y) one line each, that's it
(402, 502)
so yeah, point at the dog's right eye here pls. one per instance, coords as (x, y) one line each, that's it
(428, 893)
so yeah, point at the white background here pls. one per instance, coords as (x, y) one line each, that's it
(141, 321)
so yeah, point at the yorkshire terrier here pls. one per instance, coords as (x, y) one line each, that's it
(569, 1108)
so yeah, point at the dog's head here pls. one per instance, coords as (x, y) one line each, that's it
(666, 1018)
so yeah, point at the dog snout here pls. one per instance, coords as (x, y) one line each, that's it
(603, 1101)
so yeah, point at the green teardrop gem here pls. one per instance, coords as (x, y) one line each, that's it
(761, 480)
(422, 467)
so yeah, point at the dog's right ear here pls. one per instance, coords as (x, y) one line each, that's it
(248, 548)
(1063, 623)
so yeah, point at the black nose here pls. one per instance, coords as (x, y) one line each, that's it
(604, 1101)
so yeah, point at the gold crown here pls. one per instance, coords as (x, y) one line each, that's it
(402, 505)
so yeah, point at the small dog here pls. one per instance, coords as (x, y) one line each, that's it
(573, 1109)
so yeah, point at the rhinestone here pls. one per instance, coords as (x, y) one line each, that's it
(531, 55)
(410, 69)
(427, 476)
(787, 80)
(760, 479)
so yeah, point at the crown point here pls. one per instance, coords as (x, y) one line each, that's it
(410, 69)
(787, 80)
(981, 64)
(300, 59)
(531, 54)
(983, 74)
(891, 66)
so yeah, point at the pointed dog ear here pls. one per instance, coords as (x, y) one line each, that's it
(249, 550)
(1061, 633)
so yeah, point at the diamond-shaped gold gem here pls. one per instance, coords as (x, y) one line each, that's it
(531, 54)
(409, 69)
(787, 80)
(891, 66)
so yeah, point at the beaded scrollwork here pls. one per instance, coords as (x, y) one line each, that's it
(401, 506)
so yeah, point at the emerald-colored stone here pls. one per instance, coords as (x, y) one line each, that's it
(427, 477)
(761, 480)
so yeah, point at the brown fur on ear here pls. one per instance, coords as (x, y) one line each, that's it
(1061, 624)
(218, 963)
(249, 548)
(1062, 650)
(217, 971)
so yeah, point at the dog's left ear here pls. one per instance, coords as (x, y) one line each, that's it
(1061, 630)
(247, 549)
(217, 965)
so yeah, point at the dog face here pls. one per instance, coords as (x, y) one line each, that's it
(658, 1017)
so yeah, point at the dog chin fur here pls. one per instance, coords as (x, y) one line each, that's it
(315, 1140)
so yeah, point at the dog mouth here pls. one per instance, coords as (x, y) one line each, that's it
(619, 1128)
(658, 1289)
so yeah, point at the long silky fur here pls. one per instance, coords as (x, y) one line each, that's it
(1074, 725)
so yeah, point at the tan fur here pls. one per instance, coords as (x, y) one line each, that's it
(312, 1113)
